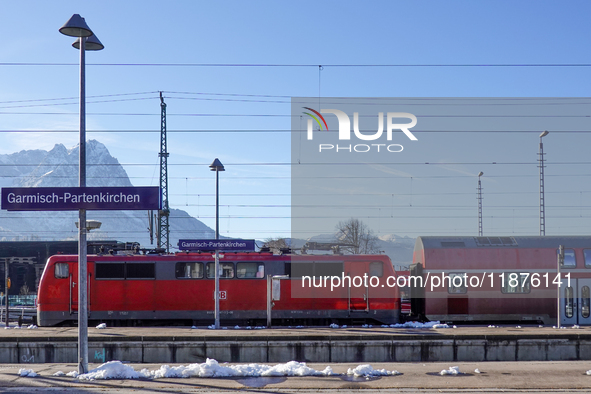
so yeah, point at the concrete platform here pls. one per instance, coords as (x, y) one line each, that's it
(324, 345)
(494, 377)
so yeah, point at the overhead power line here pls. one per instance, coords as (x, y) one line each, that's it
(246, 65)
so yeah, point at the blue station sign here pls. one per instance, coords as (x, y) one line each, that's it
(74, 198)
(226, 245)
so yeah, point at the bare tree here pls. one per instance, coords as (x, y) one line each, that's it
(276, 244)
(355, 233)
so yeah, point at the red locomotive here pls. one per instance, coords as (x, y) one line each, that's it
(502, 279)
(138, 289)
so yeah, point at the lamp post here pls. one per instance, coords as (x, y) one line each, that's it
(542, 208)
(217, 166)
(480, 204)
(77, 27)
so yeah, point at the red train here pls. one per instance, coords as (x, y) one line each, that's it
(502, 279)
(138, 289)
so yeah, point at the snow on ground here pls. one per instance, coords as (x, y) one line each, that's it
(414, 324)
(112, 370)
(451, 371)
(29, 373)
(102, 326)
(367, 370)
(212, 369)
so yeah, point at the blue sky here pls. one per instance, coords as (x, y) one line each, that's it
(141, 36)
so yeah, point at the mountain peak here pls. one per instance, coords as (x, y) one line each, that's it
(59, 168)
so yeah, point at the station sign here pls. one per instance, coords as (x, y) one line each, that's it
(74, 198)
(226, 245)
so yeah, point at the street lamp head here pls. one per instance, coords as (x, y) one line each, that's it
(76, 27)
(545, 133)
(92, 44)
(91, 225)
(217, 165)
(480, 173)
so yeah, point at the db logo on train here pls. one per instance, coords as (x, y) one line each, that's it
(345, 131)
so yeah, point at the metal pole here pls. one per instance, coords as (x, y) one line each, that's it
(269, 299)
(479, 206)
(559, 261)
(82, 268)
(6, 290)
(217, 252)
(542, 207)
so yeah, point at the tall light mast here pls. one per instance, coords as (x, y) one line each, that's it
(480, 204)
(163, 235)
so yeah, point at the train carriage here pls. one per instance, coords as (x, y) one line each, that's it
(142, 289)
(502, 279)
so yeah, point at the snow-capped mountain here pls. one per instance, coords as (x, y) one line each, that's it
(59, 168)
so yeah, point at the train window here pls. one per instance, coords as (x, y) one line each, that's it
(141, 271)
(298, 270)
(587, 255)
(226, 270)
(61, 270)
(376, 268)
(457, 283)
(328, 269)
(189, 270)
(585, 301)
(250, 270)
(110, 271)
(569, 258)
(515, 283)
(568, 302)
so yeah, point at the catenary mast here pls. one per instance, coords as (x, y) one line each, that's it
(163, 227)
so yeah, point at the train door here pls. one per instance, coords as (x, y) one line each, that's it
(73, 287)
(575, 302)
(358, 291)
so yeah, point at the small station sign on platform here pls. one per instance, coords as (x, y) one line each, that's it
(222, 245)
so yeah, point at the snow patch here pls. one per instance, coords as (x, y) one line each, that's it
(367, 370)
(450, 371)
(212, 369)
(102, 326)
(112, 370)
(26, 373)
(414, 324)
